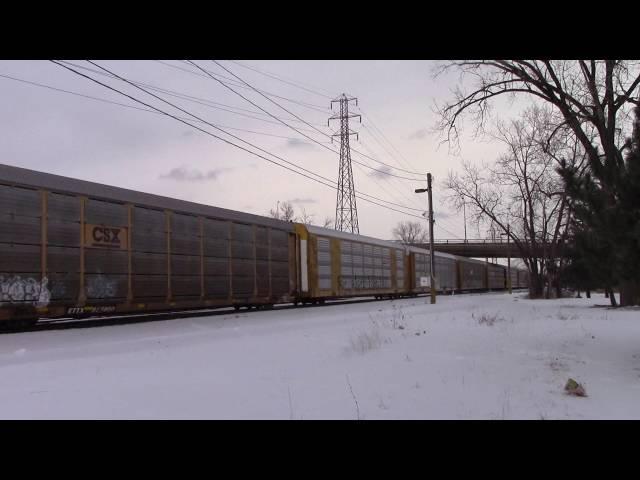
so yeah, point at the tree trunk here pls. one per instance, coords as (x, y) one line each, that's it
(612, 297)
(629, 293)
(588, 293)
(536, 285)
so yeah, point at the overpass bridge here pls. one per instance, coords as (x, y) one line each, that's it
(480, 248)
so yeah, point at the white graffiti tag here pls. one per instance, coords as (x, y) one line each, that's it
(101, 287)
(15, 289)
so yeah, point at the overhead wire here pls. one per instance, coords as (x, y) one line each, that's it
(384, 137)
(103, 100)
(297, 102)
(228, 141)
(202, 101)
(240, 79)
(290, 126)
(315, 91)
(288, 82)
(377, 132)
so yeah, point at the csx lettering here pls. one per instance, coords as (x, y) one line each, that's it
(106, 235)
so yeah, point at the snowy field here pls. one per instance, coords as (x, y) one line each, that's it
(482, 356)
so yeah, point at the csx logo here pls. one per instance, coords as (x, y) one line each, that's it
(106, 235)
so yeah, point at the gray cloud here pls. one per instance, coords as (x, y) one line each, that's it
(419, 134)
(297, 143)
(183, 174)
(380, 172)
(303, 200)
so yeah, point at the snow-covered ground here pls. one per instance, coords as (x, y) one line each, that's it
(483, 356)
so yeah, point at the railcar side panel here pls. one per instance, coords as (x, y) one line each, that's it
(23, 286)
(341, 265)
(472, 274)
(514, 278)
(496, 275)
(446, 273)
(421, 268)
(62, 253)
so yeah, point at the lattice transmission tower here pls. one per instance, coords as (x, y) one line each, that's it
(346, 209)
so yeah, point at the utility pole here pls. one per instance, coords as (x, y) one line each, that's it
(508, 262)
(346, 209)
(433, 274)
(464, 211)
(431, 222)
(508, 258)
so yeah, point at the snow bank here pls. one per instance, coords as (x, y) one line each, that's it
(487, 356)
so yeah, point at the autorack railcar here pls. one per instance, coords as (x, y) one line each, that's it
(75, 248)
(71, 247)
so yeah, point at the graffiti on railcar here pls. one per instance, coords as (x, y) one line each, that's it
(99, 286)
(15, 289)
(364, 282)
(91, 309)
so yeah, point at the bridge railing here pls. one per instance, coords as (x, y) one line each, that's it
(474, 241)
(469, 240)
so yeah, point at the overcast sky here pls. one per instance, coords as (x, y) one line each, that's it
(56, 132)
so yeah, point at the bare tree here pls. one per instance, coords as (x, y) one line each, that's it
(410, 232)
(286, 212)
(589, 95)
(306, 218)
(283, 211)
(599, 93)
(522, 194)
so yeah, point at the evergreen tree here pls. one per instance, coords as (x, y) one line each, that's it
(606, 203)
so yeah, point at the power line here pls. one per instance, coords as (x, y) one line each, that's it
(318, 93)
(89, 97)
(397, 204)
(373, 124)
(217, 63)
(247, 86)
(207, 103)
(70, 92)
(170, 92)
(217, 128)
(391, 155)
(225, 140)
(272, 75)
(294, 128)
(323, 133)
(372, 133)
(297, 102)
(391, 182)
(319, 131)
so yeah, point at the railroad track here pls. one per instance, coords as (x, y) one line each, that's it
(111, 320)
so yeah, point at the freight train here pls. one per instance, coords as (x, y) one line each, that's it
(72, 248)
